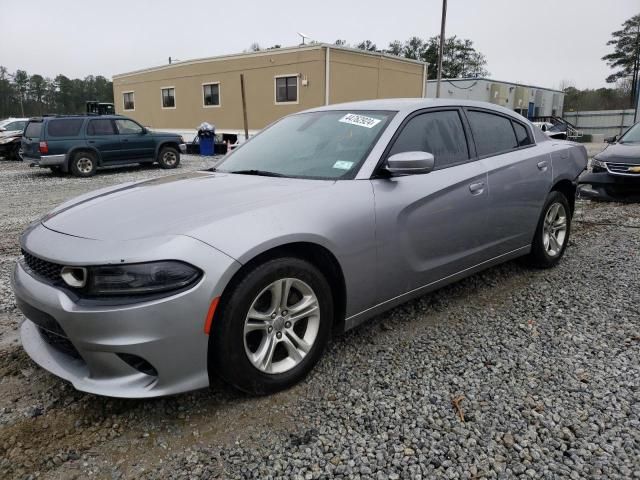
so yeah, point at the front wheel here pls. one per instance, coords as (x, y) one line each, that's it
(272, 327)
(16, 152)
(552, 233)
(168, 157)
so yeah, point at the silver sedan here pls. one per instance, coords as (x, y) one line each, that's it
(323, 220)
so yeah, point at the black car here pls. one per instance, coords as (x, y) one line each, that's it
(80, 144)
(615, 172)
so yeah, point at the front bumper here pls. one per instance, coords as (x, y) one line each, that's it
(609, 187)
(168, 333)
(45, 160)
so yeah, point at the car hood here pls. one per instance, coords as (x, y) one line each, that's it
(11, 133)
(621, 152)
(176, 204)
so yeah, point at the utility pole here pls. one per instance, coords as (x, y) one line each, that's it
(441, 50)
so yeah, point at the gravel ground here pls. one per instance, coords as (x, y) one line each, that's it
(512, 372)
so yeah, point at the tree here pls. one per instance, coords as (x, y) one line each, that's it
(367, 45)
(340, 43)
(626, 55)
(255, 47)
(37, 89)
(395, 48)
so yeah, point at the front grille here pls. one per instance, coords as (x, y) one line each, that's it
(623, 168)
(42, 268)
(59, 342)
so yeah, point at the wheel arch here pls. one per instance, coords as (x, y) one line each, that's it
(167, 143)
(81, 148)
(319, 256)
(568, 189)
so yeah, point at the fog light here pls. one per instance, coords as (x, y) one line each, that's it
(75, 277)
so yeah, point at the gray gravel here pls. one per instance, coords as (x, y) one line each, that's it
(544, 367)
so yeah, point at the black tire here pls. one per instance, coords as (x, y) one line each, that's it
(227, 356)
(16, 152)
(168, 157)
(83, 164)
(539, 256)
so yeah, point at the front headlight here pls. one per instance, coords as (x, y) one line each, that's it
(598, 164)
(140, 278)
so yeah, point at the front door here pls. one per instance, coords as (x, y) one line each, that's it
(433, 225)
(135, 142)
(101, 135)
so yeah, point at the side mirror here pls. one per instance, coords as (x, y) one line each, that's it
(611, 139)
(2, 129)
(544, 128)
(410, 163)
(144, 130)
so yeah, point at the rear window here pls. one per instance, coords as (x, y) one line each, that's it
(101, 127)
(492, 133)
(65, 127)
(33, 130)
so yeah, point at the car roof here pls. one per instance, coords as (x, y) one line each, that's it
(408, 105)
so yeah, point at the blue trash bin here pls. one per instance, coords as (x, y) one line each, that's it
(206, 145)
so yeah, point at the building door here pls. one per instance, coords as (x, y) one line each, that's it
(531, 110)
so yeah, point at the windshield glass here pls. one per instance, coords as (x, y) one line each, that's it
(324, 145)
(632, 136)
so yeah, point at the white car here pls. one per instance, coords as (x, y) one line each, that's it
(551, 130)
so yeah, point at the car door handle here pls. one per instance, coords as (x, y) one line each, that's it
(542, 166)
(476, 188)
(91, 141)
(125, 140)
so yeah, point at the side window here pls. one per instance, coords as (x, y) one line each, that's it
(128, 101)
(101, 127)
(522, 134)
(168, 97)
(65, 127)
(287, 89)
(439, 133)
(491, 133)
(128, 127)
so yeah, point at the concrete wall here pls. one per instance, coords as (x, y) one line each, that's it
(603, 122)
(354, 75)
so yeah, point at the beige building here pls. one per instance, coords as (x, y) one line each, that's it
(278, 82)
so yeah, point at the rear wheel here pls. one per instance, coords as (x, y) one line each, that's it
(168, 157)
(272, 327)
(552, 233)
(84, 164)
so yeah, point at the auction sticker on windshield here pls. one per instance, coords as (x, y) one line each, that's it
(360, 120)
(343, 165)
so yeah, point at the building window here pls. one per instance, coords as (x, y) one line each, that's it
(287, 89)
(211, 94)
(128, 101)
(168, 97)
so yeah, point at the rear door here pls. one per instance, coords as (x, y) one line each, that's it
(101, 134)
(31, 139)
(519, 177)
(432, 225)
(135, 143)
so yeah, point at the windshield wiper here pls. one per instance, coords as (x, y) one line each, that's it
(261, 173)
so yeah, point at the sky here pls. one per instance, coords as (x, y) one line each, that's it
(542, 42)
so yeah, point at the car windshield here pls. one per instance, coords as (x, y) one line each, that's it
(632, 136)
(319, 145)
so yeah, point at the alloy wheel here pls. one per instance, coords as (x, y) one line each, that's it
(281, 325)
(170, 158)
(554, 231)
(85, 165)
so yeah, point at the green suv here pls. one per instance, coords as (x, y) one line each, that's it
(81, 144)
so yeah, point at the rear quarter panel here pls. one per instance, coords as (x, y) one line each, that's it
(569, 160)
